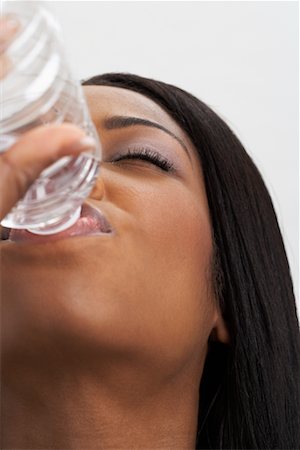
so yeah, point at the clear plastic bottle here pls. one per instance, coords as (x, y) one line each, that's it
(37, 88)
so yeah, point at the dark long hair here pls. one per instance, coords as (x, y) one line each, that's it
(249, 391)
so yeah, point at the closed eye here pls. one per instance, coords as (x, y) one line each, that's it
(149, 155)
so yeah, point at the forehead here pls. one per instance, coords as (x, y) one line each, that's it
(105, 101)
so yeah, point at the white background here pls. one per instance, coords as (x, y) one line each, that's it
(241, 58)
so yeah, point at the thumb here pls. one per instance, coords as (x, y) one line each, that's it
(31, 154)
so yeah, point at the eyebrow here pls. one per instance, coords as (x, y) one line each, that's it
(115, 122)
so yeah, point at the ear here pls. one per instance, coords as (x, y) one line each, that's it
(220, 331)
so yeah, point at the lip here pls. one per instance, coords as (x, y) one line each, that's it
(90, 223)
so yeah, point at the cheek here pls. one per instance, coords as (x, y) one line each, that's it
(174, 226)
(174, 248)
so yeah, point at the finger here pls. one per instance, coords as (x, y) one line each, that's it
(31, 154)
(9, 27)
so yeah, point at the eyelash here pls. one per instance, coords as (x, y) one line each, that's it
(146, 154)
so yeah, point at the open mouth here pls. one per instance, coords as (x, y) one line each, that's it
(90, 222)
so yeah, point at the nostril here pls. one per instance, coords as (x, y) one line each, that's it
(4, 233)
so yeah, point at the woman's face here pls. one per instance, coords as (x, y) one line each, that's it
(143, 292)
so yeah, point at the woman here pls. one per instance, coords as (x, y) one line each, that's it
(176, 326)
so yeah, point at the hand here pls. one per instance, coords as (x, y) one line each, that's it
(22, 163)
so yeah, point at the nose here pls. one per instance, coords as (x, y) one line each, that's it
(97, 192)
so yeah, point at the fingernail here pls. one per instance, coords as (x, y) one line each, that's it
(85, 143)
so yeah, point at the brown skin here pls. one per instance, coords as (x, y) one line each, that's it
(104, 338)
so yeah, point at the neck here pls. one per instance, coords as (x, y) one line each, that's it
(60, 406)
